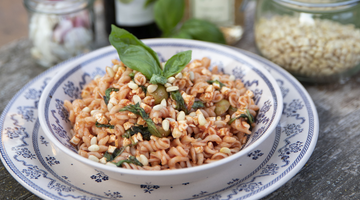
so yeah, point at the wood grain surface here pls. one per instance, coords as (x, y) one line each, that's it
(332, 171)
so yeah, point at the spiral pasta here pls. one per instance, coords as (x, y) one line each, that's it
(213, 128)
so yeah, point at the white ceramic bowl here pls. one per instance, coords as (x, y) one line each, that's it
(75, 73)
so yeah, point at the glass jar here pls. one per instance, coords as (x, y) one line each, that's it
(60, 29)
(317, 41)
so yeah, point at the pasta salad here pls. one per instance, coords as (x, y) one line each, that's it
(147, 115)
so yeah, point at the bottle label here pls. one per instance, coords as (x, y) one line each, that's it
(220, 12)
(133, 13)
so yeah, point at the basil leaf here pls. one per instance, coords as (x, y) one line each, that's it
(127, 134)
(107, 94)
(136, 109)
(111, 156)
(197, 105)
(139, 59)
(144, 131)
(248, 116)
(177, 63)
(97, 124)
(158, 79)
(216, 81)
(152, 128)
(134, 53)
(144, 89)
(132, 75)
(180, 103)
(202, 30)
(168, 14)
(131, 159)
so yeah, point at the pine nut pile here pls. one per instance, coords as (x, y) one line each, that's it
(311, 48)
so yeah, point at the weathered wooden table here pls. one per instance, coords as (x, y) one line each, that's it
(332, 171)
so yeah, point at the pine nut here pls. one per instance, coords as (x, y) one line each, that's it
(86, 109)
(133, 85)
(192, 75)
(93, 158)
(171, 79)
(201, 119)
(181, 116)
(163, 102)
(172, 89)
(115, 68)
(93, 140)
(225, 150)
(165, 124)
(179, 75)
(158, 107)
(136, 99)
(143, 159)
(151, 88)
(94, 148)
(111, 164)
(110, 72)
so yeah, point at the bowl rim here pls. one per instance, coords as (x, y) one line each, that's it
(66, 66)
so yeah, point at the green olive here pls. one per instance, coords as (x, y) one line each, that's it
(162, 131)
(159, 94)
(221, 107)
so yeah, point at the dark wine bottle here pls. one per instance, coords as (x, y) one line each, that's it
(131, 15)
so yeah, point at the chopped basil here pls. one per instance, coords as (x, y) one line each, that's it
(97, 124)
(180, 103)
(136, 109)
(111, 156)
(144, 89)
(132, 75)
(107, 94)
(249, 118)
(144, 131)
(197, 105)
(131, 159)
(217, 82)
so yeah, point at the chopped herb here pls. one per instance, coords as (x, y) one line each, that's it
(111, 156)
(130, 160)
(144, 89)
(180, 103)
(127, 134)
(217, 82)
(249, 117)
(138, 129)
(132, 75)
(97, 124)
(136, 109)
(197, 105)
(107, 94)
(108, 156)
